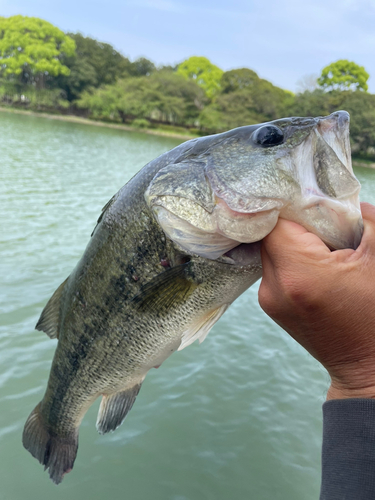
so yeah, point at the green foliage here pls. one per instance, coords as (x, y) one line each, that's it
(344, 75)
(245, 99)
(32, 97)
(238, 79)
(95, 63)
(229, 111)
(44, 99)
(140, 123)
(316, 103)
(360, 105)
(142, 67)
(31, 49)
(270, 102)
(161, 97)
(203, 72)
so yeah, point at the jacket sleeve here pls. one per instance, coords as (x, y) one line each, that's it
(348, 453)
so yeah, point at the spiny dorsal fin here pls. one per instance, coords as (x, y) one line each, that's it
(201, 327)
(114, 408)
(104, 209)
(49, 319)
(168, 288)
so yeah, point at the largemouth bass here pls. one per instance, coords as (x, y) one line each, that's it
(171, 251)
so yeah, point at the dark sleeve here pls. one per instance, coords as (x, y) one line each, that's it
(348, 453)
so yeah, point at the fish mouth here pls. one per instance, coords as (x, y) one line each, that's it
(329, 203)
(244, 254)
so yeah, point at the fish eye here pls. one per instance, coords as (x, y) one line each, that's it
(268, 135)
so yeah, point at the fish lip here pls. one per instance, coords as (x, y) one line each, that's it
(334, 130)
(350, 241)
(340, 118)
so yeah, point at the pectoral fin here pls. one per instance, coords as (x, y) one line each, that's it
(167, 289)
(114, 408)
(201, 327)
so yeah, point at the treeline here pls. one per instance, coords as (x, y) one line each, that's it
(44, 69)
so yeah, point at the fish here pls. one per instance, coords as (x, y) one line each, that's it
(171, 251)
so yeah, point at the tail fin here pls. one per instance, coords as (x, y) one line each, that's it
(56, 453)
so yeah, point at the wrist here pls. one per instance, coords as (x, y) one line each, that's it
(343, 391)
(355, 379)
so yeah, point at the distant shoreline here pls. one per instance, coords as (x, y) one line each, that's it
(87, 121)
(128, 128)
(364, 164)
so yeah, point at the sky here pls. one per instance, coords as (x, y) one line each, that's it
(283, 41)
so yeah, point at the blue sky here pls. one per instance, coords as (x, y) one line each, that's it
(282, 41)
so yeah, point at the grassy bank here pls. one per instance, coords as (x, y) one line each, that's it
(86, 121)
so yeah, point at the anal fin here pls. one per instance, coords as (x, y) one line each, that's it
(49, 319)
(114, 408)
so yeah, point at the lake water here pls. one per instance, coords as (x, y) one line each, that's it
(238, 417)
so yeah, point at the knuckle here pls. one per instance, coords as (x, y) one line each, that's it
(289, 294)
(268, 300)
(300, 296)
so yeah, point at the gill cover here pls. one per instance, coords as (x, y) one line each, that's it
(233, 189)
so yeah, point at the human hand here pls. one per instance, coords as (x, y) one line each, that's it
(326, 301)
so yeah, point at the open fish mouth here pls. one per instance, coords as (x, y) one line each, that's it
(233, 191)
(328, 205)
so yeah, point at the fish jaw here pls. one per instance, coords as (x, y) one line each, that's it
(338, 224)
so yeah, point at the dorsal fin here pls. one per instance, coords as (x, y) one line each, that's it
(104, 209)
(114, 408)
(49, 319)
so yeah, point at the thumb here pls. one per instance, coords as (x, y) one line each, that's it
(288, 239)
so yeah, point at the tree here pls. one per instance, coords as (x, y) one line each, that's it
(315, 103)
(95, 63)
(203, 72)
(344, 75)
(245, 99)
(31, 49)
(307, 82)
(161, 97)
(238, 79)
(142, 67)
(360, 105)
(270, 102)
(229, 111)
